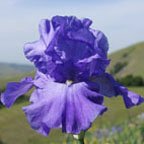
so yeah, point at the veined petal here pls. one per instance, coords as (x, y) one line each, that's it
(47, 110)
(35, 50)
(67, 22)
(94, 64)
(109, 87)
(72, 108)
(101, 43)
(44, 130)
(73, 38)
(83, 35)
(14, 90)
(41, 79)
(82, 107)
(44, 29)
(35, 53)
(87, 22)
(47, 31)
(130, 98)
(69, 49)
(68, 40)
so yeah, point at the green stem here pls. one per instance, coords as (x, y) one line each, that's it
(80, 141)
(80, 137)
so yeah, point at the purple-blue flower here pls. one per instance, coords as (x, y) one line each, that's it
(71, 80)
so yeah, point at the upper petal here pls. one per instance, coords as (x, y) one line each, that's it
(47, 31)
(93, 65)
(101, 43)
(68, 40)
(86, 22)
(83, 35)
(73, 38)
(35, 50)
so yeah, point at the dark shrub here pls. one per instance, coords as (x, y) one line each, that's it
(131, 80)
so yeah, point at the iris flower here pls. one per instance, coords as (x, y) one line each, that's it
(71, 79)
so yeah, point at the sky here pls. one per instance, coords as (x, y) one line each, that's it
(122, 21)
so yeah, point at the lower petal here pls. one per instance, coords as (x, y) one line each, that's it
(14, 90)
(130, 98)
(73, 108)
(81, 108)
(109, 87)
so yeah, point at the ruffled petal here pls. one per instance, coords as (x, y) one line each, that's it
(35, 50)
(93, 65)
(47, 110)
(130, 98)
(83, 35)
(72, 108)
(101, 43)
(44, 130)
(74, 40)
(14, 90)
(67, 22)
(81, 108)
(109, 87)
(47, 31)
(34, 97)
(68, 48)
(86, 22)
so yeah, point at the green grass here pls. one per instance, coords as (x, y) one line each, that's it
(130, 132)
(14, 128)
(117, 112)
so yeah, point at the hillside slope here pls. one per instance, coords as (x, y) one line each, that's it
(8, 69)
(127, 61)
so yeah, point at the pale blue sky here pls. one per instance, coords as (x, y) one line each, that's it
(121, 20)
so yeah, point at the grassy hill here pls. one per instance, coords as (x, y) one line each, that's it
(127, 61)
(8, 69)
